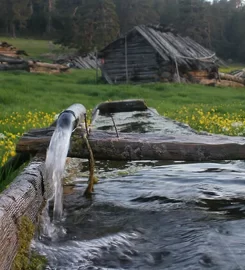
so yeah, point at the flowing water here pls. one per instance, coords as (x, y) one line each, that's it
(56, 158)
(153, 215)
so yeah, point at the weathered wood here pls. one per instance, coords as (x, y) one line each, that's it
(229, 77)
(210, 82)
(149, 47)
(106, 146)
(152, 147)
(23, 66)
(33, 64)
(24, 197)
(199, 73)
(238, 73)
(11, 60)
(229, 84)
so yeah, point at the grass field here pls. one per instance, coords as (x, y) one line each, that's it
(21, 91)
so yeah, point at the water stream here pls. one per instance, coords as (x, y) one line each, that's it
(152, 215)
(56, 158)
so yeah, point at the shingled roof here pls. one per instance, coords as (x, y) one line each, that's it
(172, 46)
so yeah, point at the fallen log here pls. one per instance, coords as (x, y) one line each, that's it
(228, 77)
(229, 84)
(34, 64)
(23, 66)
(11, 60)
(106, 146)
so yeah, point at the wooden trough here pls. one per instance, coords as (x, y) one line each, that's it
(169, 140)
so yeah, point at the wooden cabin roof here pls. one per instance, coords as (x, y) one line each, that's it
(171, 46)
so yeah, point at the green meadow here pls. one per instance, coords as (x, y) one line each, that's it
(22, 91)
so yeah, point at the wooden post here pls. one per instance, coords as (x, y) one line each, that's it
(96, 59)
(177, 69)
(126, 58)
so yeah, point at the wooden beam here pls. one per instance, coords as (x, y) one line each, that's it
(229, 77)
(11, 60)
(23, 66)
(106, 146)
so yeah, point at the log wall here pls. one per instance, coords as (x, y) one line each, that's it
(141, 58)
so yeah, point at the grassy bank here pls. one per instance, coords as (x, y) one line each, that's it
(32, 100)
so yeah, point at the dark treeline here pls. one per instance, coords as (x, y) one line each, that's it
(90, 24)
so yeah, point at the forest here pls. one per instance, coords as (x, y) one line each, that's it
(91, 24)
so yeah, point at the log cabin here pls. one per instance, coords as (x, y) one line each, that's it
(157, 53)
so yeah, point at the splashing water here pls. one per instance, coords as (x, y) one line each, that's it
(55, 161)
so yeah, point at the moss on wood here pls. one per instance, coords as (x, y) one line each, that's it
(24, 259)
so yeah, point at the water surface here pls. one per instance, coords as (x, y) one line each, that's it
(154, 215)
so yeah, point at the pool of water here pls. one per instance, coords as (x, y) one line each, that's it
(153, 215)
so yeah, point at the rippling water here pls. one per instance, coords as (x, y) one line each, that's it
(154, 215)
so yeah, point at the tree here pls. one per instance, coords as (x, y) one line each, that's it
(16, 14)
(193, 20)
(93, 23)
(168, 11)
(135, 12)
